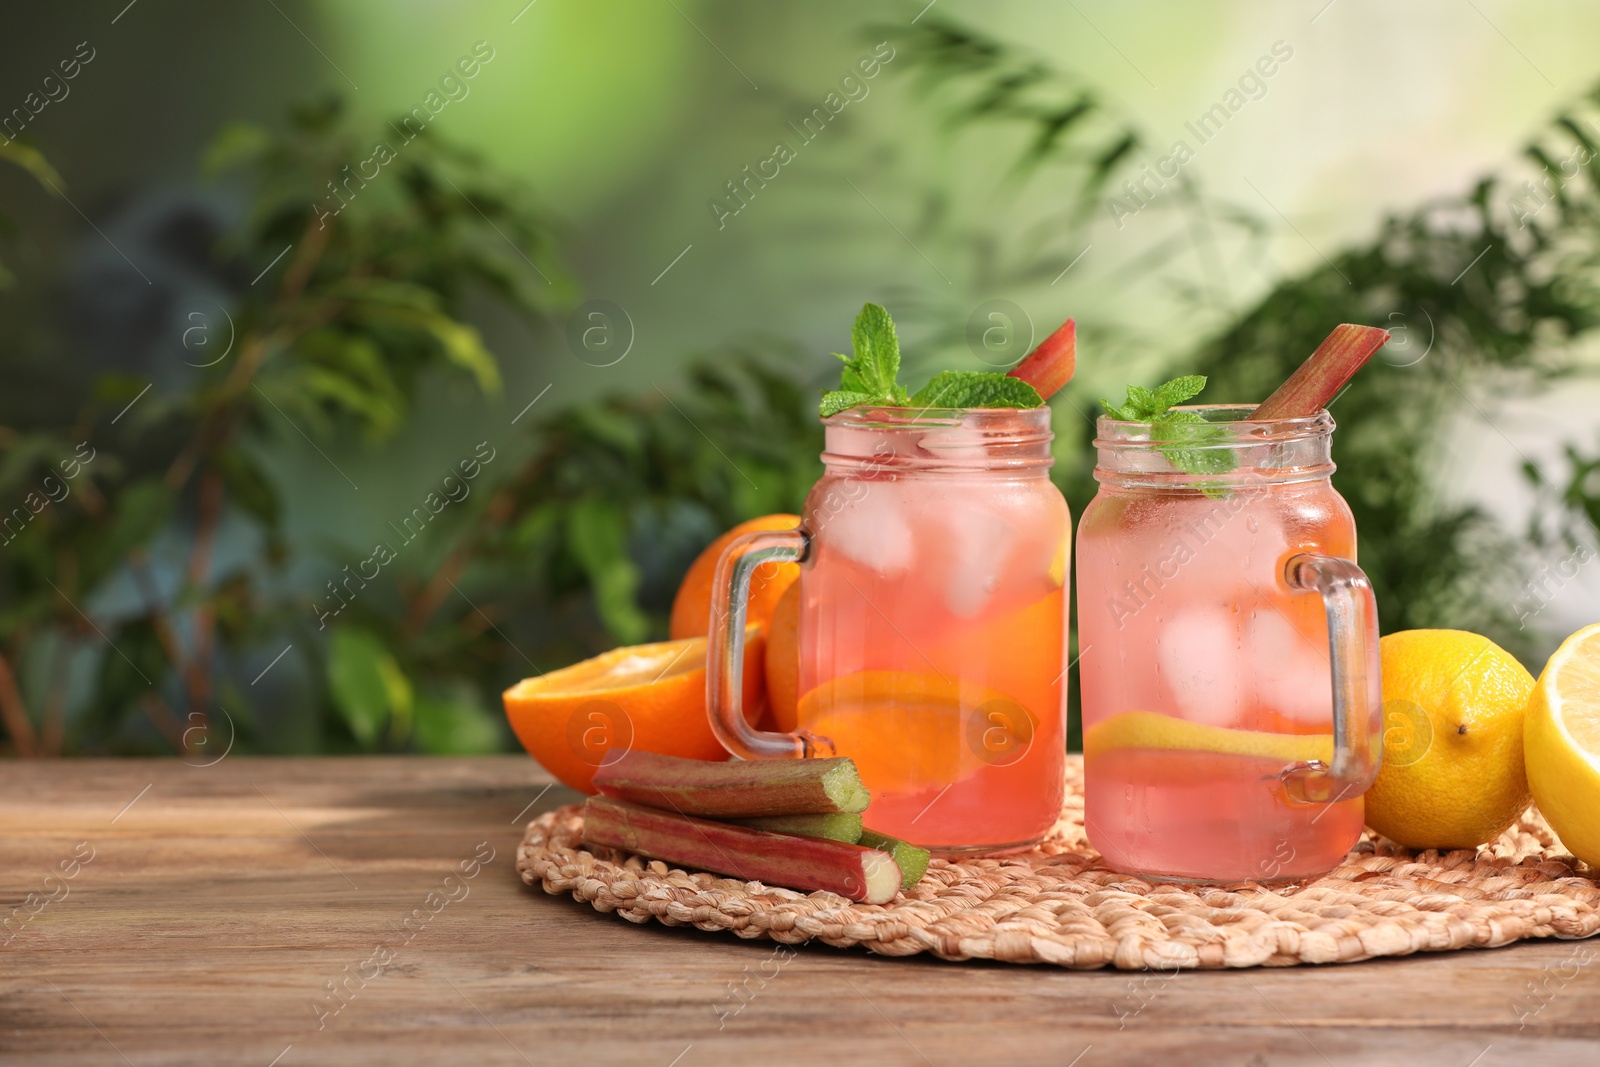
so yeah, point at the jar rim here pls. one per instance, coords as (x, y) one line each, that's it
(1143, 455)
(1113, 432)
(908, 417)
(938, 439)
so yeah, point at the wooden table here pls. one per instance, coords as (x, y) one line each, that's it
(210, 910)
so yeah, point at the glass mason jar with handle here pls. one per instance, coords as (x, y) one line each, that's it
(1231, 702)
(932, 631)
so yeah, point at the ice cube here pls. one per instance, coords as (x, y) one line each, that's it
(975, 544)
(1291, 668)
(1197, 652)
(871, 527)
(956, 444)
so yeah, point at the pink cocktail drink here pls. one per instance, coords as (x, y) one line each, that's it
(1208, 675)
(933, 622)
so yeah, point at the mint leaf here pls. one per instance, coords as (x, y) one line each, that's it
(869, 376)
(1179, 389)
(1194, 431)
(1143, 405)
(850, 378)
(1120, 414)
(1185, 430)
(877, 350)
(976, 389)
(840, 399)
(1143, 400)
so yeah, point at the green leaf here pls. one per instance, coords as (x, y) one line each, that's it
(141, 510)
(869, 376)
(1187, 428)
(1143, 401)
(32, 160)
(1178, 390)
(840, 399)
(597, 537)
(1143, 405)
(236, 144)
(1120, 414)
(976, 389)
(1186, 433)
(455, 723)
(877, 349)
(369, 689)
(850, 380)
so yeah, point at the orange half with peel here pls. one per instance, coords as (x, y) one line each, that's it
(646, 697)
(691, 608)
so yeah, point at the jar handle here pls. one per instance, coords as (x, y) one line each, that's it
(1352, 615)
(730, 596)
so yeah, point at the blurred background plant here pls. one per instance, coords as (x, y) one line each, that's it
(183, 586)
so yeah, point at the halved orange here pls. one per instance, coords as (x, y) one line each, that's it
(647, 697)
(691, 608)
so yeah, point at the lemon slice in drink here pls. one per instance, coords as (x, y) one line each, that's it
(1150, 730)
(1561, 743)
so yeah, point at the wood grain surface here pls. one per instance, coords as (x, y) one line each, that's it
(167, 913)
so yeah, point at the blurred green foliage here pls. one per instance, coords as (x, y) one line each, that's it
(116, 598)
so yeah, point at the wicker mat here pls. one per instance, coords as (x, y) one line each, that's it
(1059, 904)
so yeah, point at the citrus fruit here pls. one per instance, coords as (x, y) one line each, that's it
(646, 697)
(1452, 775)
(691, 608)
(783, 662)
(1562, 735)
(1152, 730)
(905, 729)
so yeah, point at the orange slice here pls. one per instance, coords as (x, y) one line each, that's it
(647, 697)
(908, 731)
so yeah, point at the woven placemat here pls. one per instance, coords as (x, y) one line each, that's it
(1060, 904)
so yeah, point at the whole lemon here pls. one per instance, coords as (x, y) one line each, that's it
(1453, 708)
(1563, 738)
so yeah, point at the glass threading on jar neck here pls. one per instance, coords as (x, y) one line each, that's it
(1226, 451)
(1010, 441)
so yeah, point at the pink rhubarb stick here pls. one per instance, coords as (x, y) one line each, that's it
(807, 863)
(1318, 380)
(1050, 366)
(740, 789)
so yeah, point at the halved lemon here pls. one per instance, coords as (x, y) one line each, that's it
(647, 697)
(1561, 743)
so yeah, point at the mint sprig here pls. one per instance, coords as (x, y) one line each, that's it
(870, 376)
(1142, 405)
(1182, 427)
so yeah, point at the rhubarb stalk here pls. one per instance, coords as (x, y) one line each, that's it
(1051, 365)
(912, 861)
(834, 826)
(805, 863)
(740, 789)
(1318, 380)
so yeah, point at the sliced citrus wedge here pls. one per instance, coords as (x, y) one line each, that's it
(1151, 730)
(910, 730)
(647, 697)
(1561, 743)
